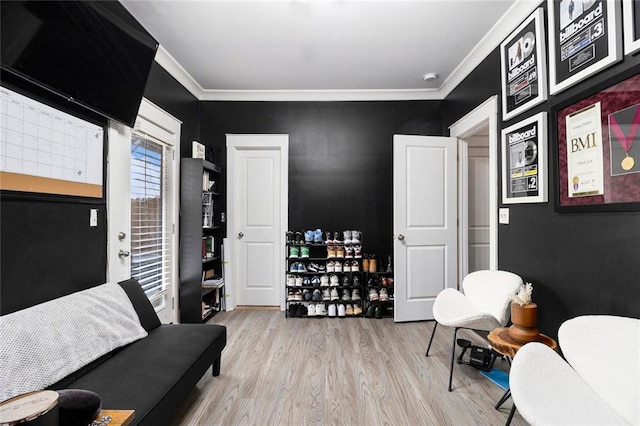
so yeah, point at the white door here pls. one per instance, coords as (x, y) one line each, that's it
(478, 181)
(257, 220)
(425, 222)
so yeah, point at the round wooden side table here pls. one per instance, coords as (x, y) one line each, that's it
(502, 343)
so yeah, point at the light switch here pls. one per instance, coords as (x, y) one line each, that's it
(503, 215)
(93, 218)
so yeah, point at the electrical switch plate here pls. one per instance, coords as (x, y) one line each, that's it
(503, 216)
(93, 218)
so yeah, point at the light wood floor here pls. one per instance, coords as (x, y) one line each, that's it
(331, 371)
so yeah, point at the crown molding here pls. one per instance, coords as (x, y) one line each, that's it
(516, 14)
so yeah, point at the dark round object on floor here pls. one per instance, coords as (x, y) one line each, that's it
(78, 407)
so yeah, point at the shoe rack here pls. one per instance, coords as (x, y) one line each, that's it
(379, 299)
(324, 275)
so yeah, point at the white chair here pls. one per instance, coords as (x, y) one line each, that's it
(599, 384)
(484, 305)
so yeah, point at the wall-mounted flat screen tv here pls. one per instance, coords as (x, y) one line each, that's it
(93, 53)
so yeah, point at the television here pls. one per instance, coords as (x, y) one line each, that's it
(93, 53)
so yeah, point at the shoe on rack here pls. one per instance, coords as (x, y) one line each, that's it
(331, 266)
(373, 282)
(299, 239)
(341, 310)
(290, 296)
(290, 237)
(294, 251)
(345, 296)
(291, 280)
(326, 295)
(304, 252)
(337, 266)
(384, 296)
(306, 281)
(308, 236)
(373, 294)
(331, 252)
(293, 267)
(324, 281)
(347, 237)
(332, 310)
(328, 240)
(293, 310)
(348, 310)
(346, 267)
(317, 236)
(357, 252)
(312, 267)
(321, 311)
(357, 310)
(334, 294)
(355, 237)
(370, 311)
(311, 310)
(334, 281)
(378, 312)
(306, 295)
(298, 281)
(336, 240)
(340, 252)
(317, 296)
(302, 310)
(297, 295)
(356, 281)
(345, 281)
(322, 268)
(355, 266)
(315, 281)
(348, 252)
(301, 267)
(355, 295)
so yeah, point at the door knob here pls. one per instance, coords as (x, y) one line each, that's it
(122, 236)
(240, 235)
(400, 237)
(123, 253)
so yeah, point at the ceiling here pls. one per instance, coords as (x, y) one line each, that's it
(319, 49)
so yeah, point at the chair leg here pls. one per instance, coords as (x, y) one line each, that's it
(431, 340)
(453, 355)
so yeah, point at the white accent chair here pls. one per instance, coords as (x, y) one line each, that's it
(599, 384)
(484, 305)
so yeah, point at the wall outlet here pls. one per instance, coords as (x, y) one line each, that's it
(93, 218)
(503, 216)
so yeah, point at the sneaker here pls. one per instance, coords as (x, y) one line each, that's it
(345, 280)
(290, 296)
(316, 296)
(357, 310)
(324, 281)
(331, 252)
(308, 236)
(321, 268)
(346, 267)
(378, 312)
(302, 310)
(315, 281)
(332, 310)
(384, 296)
(355, 295)
(291, 280)
(290, 239)
(355, 237)
(373, 294)
(328, 240)
(306, 295)
(347, 237)
(335, 238)
(317, 236)
(298, 281)
(293, 267)
(355, 266)
(356, 281)
(312, 267)
(301, 267)
(370, 311)
(294, 251)
(341, 310)
(334, 281)
(311, 310)
(340, 252)
(357, 252)
(306, 281)
(298, 238)
(321, 311)
(345, 296)
(348, 310)
(304, 252)
(334, 294)
(348, 252)
(326, 295)
(298, 295)
(337, 266)
(331, 267)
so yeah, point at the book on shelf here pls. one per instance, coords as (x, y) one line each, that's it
(216, 282)
(208, 247)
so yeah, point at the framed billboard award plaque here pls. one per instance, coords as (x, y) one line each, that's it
(523, 67)
(524, 161)
(584, 38)
(631, 24)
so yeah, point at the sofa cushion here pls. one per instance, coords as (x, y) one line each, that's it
(148, 317)
(153, 375)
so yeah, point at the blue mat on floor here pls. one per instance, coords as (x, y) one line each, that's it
(498, 377)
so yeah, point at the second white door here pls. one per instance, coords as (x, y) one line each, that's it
(257, 204)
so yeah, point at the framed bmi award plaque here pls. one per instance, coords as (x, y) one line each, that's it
(598, 157)
(631, 25)
(583, 39)
(524, 161)
(523, 67)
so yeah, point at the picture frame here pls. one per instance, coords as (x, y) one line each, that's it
(523, 67)
(584, 39)
(525, 161)
(619, 126)
(631, 26)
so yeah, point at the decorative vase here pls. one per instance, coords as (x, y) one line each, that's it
(524, 319)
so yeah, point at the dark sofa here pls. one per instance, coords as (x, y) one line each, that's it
(152, 375)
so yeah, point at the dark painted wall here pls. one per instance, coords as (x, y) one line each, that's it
(340, 157)
(579, 263)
